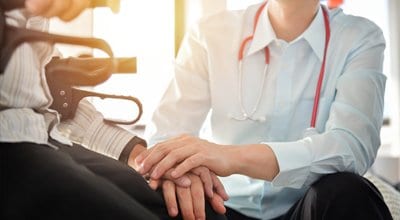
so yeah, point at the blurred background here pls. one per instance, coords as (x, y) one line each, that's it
(152, 30)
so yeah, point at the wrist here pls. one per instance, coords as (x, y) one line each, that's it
(129, 147)
(133, 154)
(235, 159)
(255, 160)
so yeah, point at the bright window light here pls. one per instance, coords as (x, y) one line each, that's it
(142, 29)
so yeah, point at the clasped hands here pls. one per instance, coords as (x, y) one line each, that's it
(186, 168)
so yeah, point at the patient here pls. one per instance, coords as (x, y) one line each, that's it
(45, 171)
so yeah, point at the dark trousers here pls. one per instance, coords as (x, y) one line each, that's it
(38, 182)
(339, 196)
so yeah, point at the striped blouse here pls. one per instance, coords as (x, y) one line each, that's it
(25, 98)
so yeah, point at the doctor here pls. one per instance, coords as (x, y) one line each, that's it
(294, 94)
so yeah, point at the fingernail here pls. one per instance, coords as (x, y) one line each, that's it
(141, 168)
(153, 185)
(173, 211)
(226, 197)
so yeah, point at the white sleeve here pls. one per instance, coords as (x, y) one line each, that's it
(352, 133)
(186, 101)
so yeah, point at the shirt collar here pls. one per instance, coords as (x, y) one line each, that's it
(265, 34)
(315, 34)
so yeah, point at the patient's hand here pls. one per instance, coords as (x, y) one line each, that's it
(204, 186)
(191, 200)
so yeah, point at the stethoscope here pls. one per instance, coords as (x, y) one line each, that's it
(250, 115)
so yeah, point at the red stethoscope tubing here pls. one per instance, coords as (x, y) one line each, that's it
(267, 57)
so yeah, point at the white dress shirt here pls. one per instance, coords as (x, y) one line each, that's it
(350, 110)
(25, 98)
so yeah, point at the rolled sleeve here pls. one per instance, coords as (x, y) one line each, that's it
(124, 156)
(88, 129)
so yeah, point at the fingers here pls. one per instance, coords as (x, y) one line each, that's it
(169, 194)
(211, 182)
(219, 187)
(185, 202)
(191, 200)
(197, 192)
(169, 161)
(154, 184)
(183, 181)
(205, 176)
(137, 149)
(148, 159)
(217, 203)
(188, 164)
(139, 159)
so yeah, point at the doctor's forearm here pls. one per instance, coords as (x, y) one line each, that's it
(255, 160)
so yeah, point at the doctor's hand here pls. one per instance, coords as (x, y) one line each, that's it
(210, 181)
(182, 181)
(64, 9)
(186, 153)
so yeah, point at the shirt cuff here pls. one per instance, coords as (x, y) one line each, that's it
(294, 160)
(124, 156)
